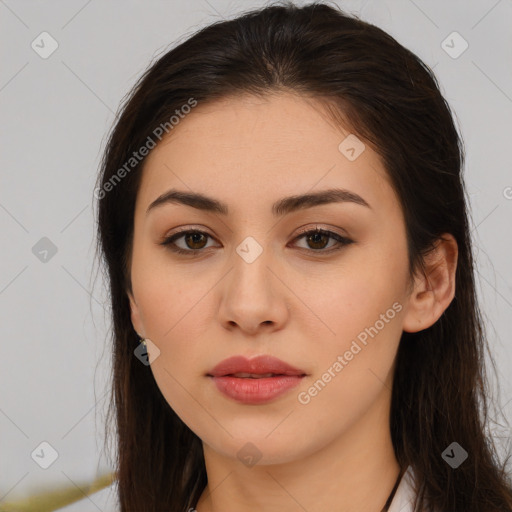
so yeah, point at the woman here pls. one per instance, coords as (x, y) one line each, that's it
(284, 225)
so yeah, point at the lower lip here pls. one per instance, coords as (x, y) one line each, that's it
(256, 391)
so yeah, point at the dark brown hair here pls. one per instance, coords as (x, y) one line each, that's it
(388, 97)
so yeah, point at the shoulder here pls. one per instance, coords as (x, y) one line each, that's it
(104, 500)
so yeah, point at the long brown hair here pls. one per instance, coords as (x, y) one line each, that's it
(391, 100)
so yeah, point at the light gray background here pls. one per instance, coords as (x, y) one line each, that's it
(56, 113)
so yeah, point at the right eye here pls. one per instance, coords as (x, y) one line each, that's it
(192, 237)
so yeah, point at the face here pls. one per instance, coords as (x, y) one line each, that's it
(254, 281)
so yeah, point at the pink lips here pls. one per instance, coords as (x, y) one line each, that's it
(255, 381)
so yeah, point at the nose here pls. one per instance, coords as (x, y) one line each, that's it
(253, 297)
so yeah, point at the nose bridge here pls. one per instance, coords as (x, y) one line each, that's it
(250, 262)
(251, 296)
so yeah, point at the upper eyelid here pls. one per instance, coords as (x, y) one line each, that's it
(311, 225)
(302, 231)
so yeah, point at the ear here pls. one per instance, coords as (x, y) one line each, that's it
(435, 288)
(136, 316)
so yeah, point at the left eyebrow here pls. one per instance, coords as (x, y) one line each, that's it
(281, 207)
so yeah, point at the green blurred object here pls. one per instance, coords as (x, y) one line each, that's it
(58, 498)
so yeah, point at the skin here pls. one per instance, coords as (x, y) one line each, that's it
(335, 452)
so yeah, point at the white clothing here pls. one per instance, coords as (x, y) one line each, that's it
(404, 497)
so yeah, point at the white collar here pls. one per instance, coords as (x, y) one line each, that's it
(404, 497)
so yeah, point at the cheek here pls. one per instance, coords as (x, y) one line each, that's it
(362, 308)
(353, 366)
(169, 295)
(177, 307)
(174, 306)
(355, 297)
(365, 329)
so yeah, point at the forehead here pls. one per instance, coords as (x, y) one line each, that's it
(250, 149)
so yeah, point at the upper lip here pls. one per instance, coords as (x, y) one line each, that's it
(257, 365)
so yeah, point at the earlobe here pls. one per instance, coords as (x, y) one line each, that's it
(434, 290)
(135, 315)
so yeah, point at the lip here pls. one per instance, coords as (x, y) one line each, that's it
(249, 390)
(258, 365)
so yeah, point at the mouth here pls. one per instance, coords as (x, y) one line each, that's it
(242, 375)
(255, 381)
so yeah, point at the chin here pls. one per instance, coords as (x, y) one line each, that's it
(254, 446)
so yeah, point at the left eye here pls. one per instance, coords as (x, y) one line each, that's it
(317, 236)
(195, 241)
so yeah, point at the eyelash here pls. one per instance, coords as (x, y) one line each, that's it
(342, 241)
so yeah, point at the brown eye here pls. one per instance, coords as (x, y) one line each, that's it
(197, 240)
(317, 240)
(194, 241)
